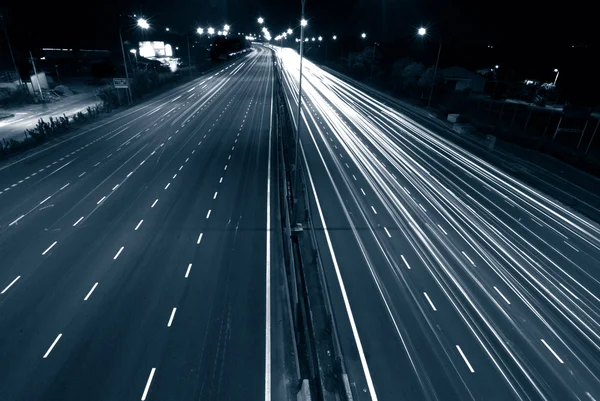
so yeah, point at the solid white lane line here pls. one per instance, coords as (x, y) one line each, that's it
(171, 318)
(187, 272)
(139, 224)
(44, 201)
(268, 268)
(215, 195)
(551, 350)
(167, 185)
(118, 253)
(387, 232)
(148, 383)
(154, 204)
(78, 221)
(221, 180)
(576, 250)
(502, 295)
(50, 247)
(10, 285)
(444, 231)
(374, 211)
(100, 201)
(115, 187)
(52, 346)
(465, 359)
(405, 262)
(90, 293)
(363, 192)
(467, 256)
(16, 221)
(208, 214)
(199, 238)
(64, 186)
(430, 303)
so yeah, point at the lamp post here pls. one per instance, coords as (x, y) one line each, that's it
(135, 54)
(11, 52)
(422, 32)
(303, 23)
(142, 23)
(556, 77)
(375, 44)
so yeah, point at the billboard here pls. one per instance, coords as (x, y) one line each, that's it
(155, 49)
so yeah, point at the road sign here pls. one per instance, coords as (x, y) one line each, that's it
(120, 83)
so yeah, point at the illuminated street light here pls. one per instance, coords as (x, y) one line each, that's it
(313, 39)
(497, 66)
(422, 31)
(303, 22)
(220, 33)
(320, 38)
(200, 31)
(133, 51)
(363, 35)
(167, 29)
(334, 37)
(211, 31)
(226, 27)
(142, 23)
(556, 78)
(265, 30)
(261, 20)
(289, 31)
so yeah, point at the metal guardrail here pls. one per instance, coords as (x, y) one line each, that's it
(320, 357)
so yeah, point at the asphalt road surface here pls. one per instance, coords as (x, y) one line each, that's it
(136, 255)
(450, 279)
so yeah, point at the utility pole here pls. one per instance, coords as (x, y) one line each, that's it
(37, 79)
(11, 52)
(129, 96)
(434, 74)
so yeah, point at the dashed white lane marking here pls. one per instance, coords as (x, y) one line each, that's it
(180, 168)
(571, 246)
(465, 359)
(363, 192)
(199, 238)
(208, 214)
(78, 221)
(148, 383)
(430, 303)
(187, 272)
(52, 346)
(90, 293)
(441, 228)
(10, 285)
(64, 186)
(229, 157)
(405, 262)
(387, 232)
(115, 187)
(167, 185)
(97, 164)
(188, 159)
(138, 225)
(551, 350)
(101, 200)
(353, 176)
(81, 175)
(215, 195)
(50, 247)
(221, 180)
(175, 176)
(129, 175)
(172, 316)
(374, 211)
(45, 200)
(421, 206)
(225, 167)
(468, 258)
(154, 204)
(119, 252)
(502, 295)
(16, 221)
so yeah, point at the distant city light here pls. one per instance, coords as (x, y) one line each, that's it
(422, 31)
(303, 22)
(260, 20)
(211, 31)
(313, 39)
(320, 38)
(226, 27)
(289, 31)
(220, 33)
(200, 31)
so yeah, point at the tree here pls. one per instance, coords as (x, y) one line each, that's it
(426, 79)
(411, 75)
(397, 69)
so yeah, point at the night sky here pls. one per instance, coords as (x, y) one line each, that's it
(532, 31)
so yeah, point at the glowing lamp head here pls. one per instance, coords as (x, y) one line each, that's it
(334, 37)
(363, 35)
(211, 31)
(200, 31)
(261, 20)
(422, 31)
(142, 23)
(303, 22)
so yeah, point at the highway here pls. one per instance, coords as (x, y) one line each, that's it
(136, 254)
(450, 280)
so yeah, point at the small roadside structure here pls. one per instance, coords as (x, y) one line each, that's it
(463, 79)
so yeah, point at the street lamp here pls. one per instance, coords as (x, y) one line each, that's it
(226, 27)
(18, 76)
(497, 66)
(334, 37)
(363, 35)
(200, 31)
(142, 23)
(261, 20)
(135, 54)
(289, 31)
(211, 31)
(320, 38)
(167, 29)
(422, 31)
(555, 78)
(303, 22)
